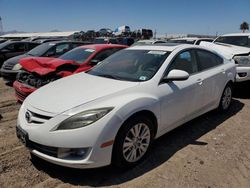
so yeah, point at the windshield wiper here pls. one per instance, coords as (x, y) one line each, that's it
(109, 76)
(30, 54)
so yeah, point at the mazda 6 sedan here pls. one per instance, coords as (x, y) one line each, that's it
(113, 112)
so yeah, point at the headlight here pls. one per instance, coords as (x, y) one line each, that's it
(83, 119)
(242, 60)
(17, 67)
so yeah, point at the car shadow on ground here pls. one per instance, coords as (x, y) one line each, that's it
(163, 149)
(242, 90)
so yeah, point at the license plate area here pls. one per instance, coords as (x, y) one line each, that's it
(22, 135)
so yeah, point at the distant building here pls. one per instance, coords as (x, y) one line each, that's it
(66, 34)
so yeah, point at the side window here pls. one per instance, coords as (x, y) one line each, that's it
(185, 61)
(31, 46)
(105, 53)
(207, 60)
(19, 47)
(74, 45)
(62, 48)
(16, 47)
(10, 47)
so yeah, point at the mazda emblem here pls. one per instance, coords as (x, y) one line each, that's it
(28, 116)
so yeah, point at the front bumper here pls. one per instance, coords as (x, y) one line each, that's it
(243, 74)
(50, 153)
(22, 91)
(45, 143)
(8, 75)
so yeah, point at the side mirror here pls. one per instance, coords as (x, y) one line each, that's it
(94, 62)
(176, 75)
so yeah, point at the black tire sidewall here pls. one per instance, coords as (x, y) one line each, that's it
(229, 85)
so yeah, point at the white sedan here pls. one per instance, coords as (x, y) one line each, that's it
(112, 113)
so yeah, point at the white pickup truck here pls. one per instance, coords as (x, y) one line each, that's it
(237, 47)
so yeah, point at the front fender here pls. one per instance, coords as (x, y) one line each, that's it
(129, 106)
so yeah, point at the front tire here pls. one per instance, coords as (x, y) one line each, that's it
(133, 142)
(226, 98)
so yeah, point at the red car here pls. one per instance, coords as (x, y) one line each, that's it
(38, 71)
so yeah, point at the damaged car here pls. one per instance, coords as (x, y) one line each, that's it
(237, 47)
(39, 71)
(11, 67)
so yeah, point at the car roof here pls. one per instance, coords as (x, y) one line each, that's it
(28, 42)
(66, 41)
(236, 34)
(103, 46)
(186, 38)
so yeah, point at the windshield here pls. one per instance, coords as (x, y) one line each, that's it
(79, 55)
(41, 49)
(235, 40)
(131, 65)
(2, 45)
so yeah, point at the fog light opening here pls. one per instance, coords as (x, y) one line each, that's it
(72, 153)
(242, 74)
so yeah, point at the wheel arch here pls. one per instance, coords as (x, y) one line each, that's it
(146, 113)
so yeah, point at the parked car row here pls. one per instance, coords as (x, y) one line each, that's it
(10, 49)
(11, 67)
(237, 47)
(39, 71)
(99, 104)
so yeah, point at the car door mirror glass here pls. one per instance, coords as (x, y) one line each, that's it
(176, 75)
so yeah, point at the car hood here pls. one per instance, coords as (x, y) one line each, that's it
(14, 60)
(229, 51)
(44, 65)
(67, 93)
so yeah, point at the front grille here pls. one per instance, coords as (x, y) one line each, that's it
(35, 80)
(48, 150)
(37, 118)
(7, 66)
(20, 95)
(40, 116)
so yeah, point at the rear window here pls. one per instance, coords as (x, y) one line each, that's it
(235, 40)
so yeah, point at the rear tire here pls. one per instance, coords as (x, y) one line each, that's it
(133, 142)
(226, 98)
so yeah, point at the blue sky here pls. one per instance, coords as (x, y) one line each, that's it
(166, 16)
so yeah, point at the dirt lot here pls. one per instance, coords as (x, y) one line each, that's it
(210, 151)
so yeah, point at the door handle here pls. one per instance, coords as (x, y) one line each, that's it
(223, 71)
(199, 81)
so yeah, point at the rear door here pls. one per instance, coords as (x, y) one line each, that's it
(212, 78)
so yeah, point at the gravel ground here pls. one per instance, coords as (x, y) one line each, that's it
(210, 151)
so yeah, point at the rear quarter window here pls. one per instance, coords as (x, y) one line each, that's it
(207, 60)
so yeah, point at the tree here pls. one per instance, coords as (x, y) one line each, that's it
(244, 26)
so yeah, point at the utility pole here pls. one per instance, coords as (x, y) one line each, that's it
(155, 34)
(1, 26)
